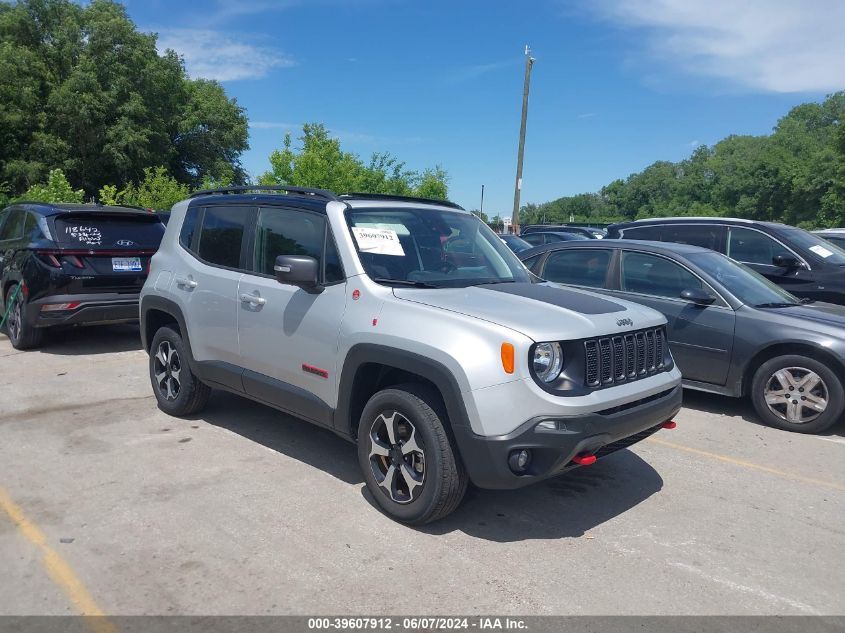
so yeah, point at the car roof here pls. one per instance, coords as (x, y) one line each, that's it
(696, 220)
(315, 198)
(396, 203)
(835, 231)
(58, 208)
(643, 245)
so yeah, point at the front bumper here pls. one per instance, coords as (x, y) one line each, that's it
(552, 451)
(93, 309)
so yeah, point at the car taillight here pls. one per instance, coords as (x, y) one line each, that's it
(49, 258)
(54, 307)
(73, 260)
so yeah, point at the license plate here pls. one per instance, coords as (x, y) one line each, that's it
(126, 264)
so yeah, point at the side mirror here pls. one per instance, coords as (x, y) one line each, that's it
(697, 296)
(298, 270)
(786, 261)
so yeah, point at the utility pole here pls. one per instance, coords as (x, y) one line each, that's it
(482, 200)
(529, 62)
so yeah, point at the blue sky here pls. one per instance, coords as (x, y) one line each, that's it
(617, 84)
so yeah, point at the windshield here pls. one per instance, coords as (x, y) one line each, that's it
(431, 247)
(827, 251)
(745, 284)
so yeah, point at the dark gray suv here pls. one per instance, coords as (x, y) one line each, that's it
(731, 331)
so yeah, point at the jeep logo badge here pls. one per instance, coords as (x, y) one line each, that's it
(622, 322)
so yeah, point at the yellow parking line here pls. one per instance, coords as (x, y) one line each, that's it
(56, 566)
(752, 466)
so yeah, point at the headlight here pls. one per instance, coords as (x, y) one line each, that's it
(547, 361)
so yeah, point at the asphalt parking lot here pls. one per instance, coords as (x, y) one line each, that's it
(108, 505)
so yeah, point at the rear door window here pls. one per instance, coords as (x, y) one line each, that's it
(104, 231)
(704, 235)
(221, 237)
(535, 239)
(579, 267)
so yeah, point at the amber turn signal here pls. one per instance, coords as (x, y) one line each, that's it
(507, 357)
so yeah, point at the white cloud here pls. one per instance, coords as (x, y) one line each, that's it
(467, 73)
(764, 45)
(586, 115)
(272, 125)
(211, 54)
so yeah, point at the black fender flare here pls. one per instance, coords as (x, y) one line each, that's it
(433, 371)
(153, 302)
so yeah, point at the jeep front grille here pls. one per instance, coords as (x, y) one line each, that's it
(615, 359)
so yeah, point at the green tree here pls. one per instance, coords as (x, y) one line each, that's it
(55, 189)
(321, 162)
(84, 91)
(157, 190)
(794, 175)
(480, 214)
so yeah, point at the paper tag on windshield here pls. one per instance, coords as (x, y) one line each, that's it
(821, 250)
(378, 241)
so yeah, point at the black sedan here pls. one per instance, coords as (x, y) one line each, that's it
(538, 238)
(731, 331)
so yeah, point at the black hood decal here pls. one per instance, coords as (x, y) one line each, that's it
(574, 300)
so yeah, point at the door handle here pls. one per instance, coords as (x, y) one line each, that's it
(185, 282)
(253, 299)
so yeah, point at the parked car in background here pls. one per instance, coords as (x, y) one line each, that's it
(515, 243)
(550, 237)
(404, 325)
(588, 232)
(835, 236)
(72, 264)
(731, 331)
(803, 263)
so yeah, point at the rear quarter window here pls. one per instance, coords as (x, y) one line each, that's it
(651, 233)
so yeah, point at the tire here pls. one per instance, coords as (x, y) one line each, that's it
(178, 391)
(422, 453)
(816, 397)
(21, 334)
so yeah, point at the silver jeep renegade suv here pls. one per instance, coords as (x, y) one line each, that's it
(403, 325)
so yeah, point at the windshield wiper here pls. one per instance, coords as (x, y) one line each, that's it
(495, 281)
(776, 305)
(404, 282)
(807, 301)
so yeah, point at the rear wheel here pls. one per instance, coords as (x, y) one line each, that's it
(407, 457)
(178, 391)
(797, 393)
(21, 334)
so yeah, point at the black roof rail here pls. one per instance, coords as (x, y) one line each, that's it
(306, 191)
(387, 196)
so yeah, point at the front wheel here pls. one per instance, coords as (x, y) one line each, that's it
(797, 393)
(408, 461)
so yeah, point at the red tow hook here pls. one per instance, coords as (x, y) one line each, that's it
(671, 424)
(584, 460)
